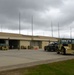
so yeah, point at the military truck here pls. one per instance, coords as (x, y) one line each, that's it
(66, 46)
(53, 46)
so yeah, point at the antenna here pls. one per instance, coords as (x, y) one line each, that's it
(32, 31)
(1, 28)
(51, 29)
(32, 27)
(70, 32)
(19, 23)
(58, 31)
(43, 33)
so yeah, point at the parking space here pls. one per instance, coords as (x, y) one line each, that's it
(18, 57)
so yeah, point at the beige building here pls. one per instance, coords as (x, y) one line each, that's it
(15, 41)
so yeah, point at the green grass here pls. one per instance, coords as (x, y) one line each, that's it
(57, 68)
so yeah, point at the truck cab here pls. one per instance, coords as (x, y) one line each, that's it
(66, 46)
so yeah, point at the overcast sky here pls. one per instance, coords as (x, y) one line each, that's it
(43, 12)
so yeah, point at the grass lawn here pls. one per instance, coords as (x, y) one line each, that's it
(57, 68)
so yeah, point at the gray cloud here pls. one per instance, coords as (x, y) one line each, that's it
(43, 12)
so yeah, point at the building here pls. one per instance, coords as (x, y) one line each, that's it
(15, 41)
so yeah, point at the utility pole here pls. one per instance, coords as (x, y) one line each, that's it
(70, 32)
(51, 29)
(43, 33)
(32, 28)
(1, 28)
(19, 30)
(19, 23)
(32, 31)
(58, 31)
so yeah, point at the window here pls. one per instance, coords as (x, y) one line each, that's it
(66, 41)
(72, 41)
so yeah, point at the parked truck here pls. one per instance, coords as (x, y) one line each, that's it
(53, 46)
(66, 46)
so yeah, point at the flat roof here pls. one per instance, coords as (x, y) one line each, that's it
(25, 37)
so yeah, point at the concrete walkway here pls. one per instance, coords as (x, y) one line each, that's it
(13, 59)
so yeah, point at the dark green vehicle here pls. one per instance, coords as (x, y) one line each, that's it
(51, 47)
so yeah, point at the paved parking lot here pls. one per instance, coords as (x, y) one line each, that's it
(23, 58)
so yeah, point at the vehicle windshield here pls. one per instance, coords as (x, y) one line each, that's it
(53, 43)
(65, 42)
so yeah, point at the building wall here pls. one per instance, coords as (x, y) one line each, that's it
(24, 43)
(40, 41)
(44, 43)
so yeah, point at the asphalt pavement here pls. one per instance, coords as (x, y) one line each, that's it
(13, 59)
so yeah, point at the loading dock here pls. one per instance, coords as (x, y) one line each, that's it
(13, 44)
(15, 41)
(2, 41)
(36, 43)
(4, 45)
